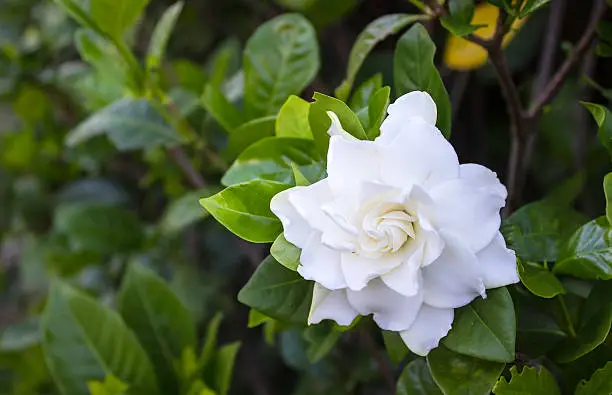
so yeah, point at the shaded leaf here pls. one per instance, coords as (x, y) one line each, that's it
(458, 22)
(184, 211)
(321, 338)
(531, 6)
(221, 109)
(395, 346)
(224, 367)
(599, 383)
(160, 37)
(361, 98)
(604, 121)
(529, 381)
(249, 133)
(607, 184)
(416, 380)
(539, 280)
(114, 17)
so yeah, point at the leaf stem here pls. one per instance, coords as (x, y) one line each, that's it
(566, 316)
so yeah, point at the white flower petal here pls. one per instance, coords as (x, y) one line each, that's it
(430, 326)
(498, 264)
(418, 155)
(471, 214)
(321, 263)
(295, 227)
(333, 305)
(478, 176)
(454, 279)
(392, 311)
(350, 162)
(415, 104)
(359, 270)
(336, 129)
(404, 279)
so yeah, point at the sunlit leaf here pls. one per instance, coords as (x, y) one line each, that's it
(529, 381)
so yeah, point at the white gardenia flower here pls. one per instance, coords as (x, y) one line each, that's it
(399, 229)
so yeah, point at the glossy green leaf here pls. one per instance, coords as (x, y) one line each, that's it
(600, 382)
(607, 186)
(458, 374)
(184, 211)
(321, 338)
(161, 36)
(130, 124)
(278, 292)
(80, 332)
(377, 111)
(588, 253)
(538, 230)
(416, 380)
(286, 253)
(375, 32)
(532, 5)
(224, 112)
(361, 98)
(459, 20)
(249, 133)
(292, 120)
(592, 327)
(320, 120)
(414, 69)
(603, 117)
(280, 59)
(529, 381)
(271, 159)
(539, 280)
(244, 209)
(224, 362)
(395, 346)
(161, 322)
(99, 228)
(486, 328)
(114, 17)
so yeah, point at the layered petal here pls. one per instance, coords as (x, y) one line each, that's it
(429, 327)
(454, 279)
(295, 227)
(332, 305)
(392, 311)
(350, 162)
(498, 264)
(359, 269)
(420, 155)
(412, 105)
(478, 176)
(470, 214)
(321, 263)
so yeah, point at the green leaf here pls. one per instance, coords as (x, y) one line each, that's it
(529, 381)
(361, 97)
(292, 120)
(531, 6)
(375, 32)
(114, 17)
(588, 253)
(416, 380)
(271, 159)
(256, 318)
(249, 133)
(459, 20)
(244, 209)
(377, 111)
(160, 37)
(130, 124)
(458, 374)
(321, 338)
(486, 328)
(84, 341)
(224, 367)
(414, 69)
(299, 177)
(395, 346)
(280, 59)
(604, 121)
(210, 341)
(224, 61)
(320, 121)
(539, 280)
(537, 230)
(110, 386)
(184, 211)
(607, 185)
(77, 9)
(594, 325)
(221, 109)
(99, 228)
(158, 318)
(278, 292)
(599, 384)
(286, 253)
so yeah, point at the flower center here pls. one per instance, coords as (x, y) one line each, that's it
(386, 229)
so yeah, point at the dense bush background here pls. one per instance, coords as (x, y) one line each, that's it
(86, 212)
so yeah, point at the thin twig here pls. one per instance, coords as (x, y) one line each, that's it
(383, 365)
(576, 54)
(181, 159)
